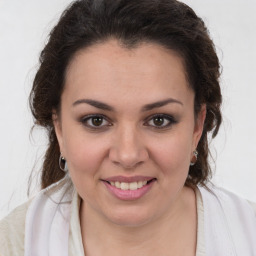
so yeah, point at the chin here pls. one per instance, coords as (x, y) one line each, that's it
(130, 217)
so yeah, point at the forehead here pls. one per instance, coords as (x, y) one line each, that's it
(108, 71)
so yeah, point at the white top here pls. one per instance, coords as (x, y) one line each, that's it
(75, 239)
(22, 219)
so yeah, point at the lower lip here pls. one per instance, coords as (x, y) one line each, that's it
(129, 194)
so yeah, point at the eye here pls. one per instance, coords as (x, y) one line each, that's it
(160, 121)
(95, 121)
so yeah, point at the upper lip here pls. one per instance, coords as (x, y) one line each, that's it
(128, 179)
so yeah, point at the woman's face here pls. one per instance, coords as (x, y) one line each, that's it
(127, 130)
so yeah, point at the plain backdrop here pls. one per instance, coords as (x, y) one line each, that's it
(24, 26)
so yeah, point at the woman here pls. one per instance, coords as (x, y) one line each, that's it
(129, 93)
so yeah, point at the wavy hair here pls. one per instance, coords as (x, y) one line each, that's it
(169, 23)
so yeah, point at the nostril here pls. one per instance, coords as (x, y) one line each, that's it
(132, 166)
(128, 154)
(127, 164)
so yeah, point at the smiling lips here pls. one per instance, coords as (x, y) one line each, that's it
(129, 188)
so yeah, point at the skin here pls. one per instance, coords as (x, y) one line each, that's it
(129, 142)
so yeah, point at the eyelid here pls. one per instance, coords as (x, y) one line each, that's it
(172, 120)
(86, 118)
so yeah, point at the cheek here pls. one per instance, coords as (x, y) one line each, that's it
(85, 154)
(172, 154)
(85, 159)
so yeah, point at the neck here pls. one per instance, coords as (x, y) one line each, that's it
(173, 233)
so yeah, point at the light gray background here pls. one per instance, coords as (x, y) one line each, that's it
(24, 26)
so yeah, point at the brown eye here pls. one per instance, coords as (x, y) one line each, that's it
(160, 121)
(95, 121)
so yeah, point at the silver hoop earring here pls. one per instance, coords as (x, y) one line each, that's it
(63, 164)
(194, 158)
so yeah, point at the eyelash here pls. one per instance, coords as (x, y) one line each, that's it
(167, 118)
(88, 118)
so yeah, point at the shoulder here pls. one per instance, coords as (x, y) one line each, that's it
(54, 199)
(237, 211)
(253, 205)
(226, 197)
(12, 231)
(230, 222)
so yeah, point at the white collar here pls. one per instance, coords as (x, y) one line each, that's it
(53, 225)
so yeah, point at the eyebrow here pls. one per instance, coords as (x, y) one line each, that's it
(94, 103)
(104, 106)
(161, 103)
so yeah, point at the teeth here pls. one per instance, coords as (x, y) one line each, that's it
(124, 186)
(133, 186)
(128, 186)
(140, 184)
(117, 184)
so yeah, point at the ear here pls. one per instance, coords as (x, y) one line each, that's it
(199, 126)
(58, 129)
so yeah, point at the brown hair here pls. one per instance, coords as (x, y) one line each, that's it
(169, 23)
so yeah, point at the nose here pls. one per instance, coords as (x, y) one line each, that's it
(128, 149)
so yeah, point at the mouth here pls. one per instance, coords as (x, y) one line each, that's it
(135, 185)
(129, 188)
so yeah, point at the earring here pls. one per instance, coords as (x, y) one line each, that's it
(63, 163)
(194, 158)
